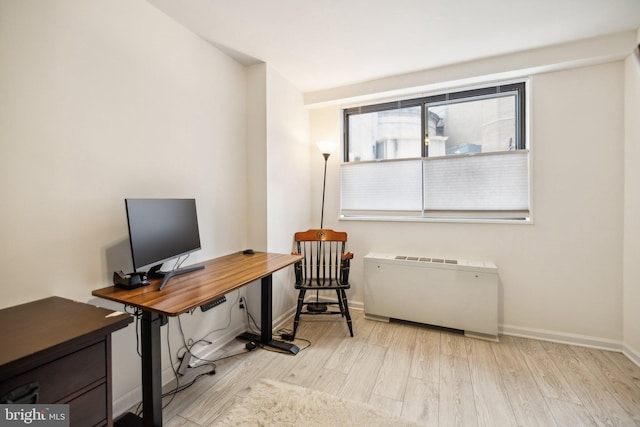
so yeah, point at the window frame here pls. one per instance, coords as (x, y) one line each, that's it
(443, 98)
(521, 145)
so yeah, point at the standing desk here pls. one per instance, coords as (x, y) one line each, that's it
(189, 291)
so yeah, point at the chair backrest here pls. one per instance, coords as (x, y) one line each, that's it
(324, 255)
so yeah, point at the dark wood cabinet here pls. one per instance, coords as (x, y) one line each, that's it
(59, 351)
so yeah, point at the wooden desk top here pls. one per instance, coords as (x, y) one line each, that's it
(191, 290)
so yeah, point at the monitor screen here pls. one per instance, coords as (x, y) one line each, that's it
(161, 229)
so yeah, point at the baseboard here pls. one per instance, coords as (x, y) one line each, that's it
(481, 336)
(562, 338)
(382, 319)
(552, 336)
(631, 354)
(357, 305)
(123, 404)
(558, 337)
(285, 320)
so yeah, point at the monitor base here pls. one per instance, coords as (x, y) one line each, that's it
(155, 273)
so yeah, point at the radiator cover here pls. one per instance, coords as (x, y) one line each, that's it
(455, 294)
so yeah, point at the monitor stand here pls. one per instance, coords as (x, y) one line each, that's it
(155, 273)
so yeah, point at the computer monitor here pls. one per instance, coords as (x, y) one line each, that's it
(160, 230)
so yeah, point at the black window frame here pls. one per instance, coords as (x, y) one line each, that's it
(423, 103)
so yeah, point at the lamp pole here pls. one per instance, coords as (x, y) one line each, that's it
(324, 186)
(326, 148)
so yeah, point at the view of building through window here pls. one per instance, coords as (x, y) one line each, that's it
(389, 134)
(464, 126)
(478, 126)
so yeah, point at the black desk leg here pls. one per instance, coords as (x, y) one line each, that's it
(266, 321)
(151, 370)
(266, 309)
(151, 376)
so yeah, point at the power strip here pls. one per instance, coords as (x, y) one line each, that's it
(184, 363)
(214, 303)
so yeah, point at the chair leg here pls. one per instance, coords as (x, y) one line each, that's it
(346, 311)
(340, 302)
(296, 320)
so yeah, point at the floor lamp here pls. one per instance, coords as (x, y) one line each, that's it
(326, 148)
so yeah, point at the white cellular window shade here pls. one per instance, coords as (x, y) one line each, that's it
(391, 187)
(481, 185)
(491, 185)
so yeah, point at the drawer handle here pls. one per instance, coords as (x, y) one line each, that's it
(28, 393)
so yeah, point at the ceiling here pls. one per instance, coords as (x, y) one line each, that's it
(322, 44)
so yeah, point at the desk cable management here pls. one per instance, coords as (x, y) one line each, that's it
(284, 334)
(187, 346)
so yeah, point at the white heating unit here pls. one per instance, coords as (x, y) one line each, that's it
(455, 294)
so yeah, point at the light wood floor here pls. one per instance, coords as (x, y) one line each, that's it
(432, 377)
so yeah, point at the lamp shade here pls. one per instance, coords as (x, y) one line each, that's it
(327, 146)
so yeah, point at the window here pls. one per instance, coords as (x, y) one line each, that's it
(460, 154)
(387, 132)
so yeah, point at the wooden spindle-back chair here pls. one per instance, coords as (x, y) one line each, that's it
(325, 267)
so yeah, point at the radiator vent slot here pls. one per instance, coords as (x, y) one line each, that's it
(422, 259)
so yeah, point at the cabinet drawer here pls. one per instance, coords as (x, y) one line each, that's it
(89, 409)
(63, 376)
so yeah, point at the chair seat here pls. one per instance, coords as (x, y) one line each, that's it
(320, 284)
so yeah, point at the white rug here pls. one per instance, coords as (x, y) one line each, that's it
(272, 403)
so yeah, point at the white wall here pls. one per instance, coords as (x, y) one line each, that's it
(632, 208)
(99, 101)
(561, 277)
(257, 157)
(288, 179)
(279, 192)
